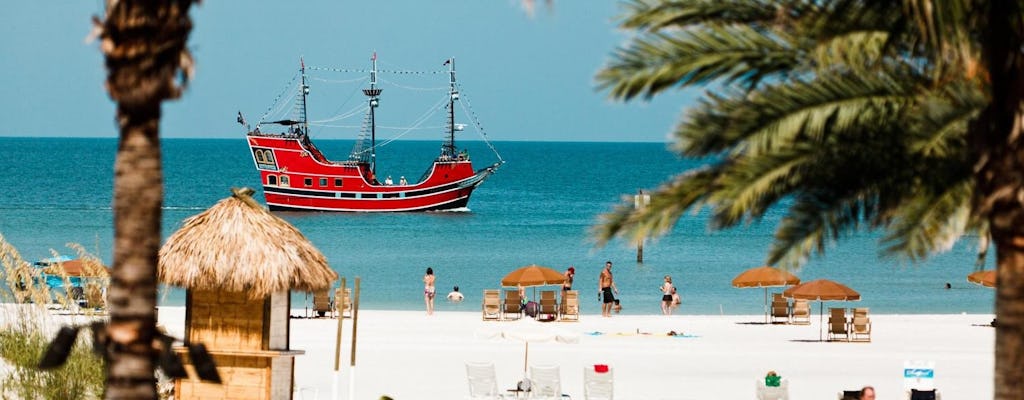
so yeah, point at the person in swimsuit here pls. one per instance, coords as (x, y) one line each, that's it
(606, 285)
(428, 290)
(569, 275)
(666, 295)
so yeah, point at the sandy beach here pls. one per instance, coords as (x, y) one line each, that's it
(408, 355)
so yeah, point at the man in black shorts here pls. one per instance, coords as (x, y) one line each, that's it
(606, 285)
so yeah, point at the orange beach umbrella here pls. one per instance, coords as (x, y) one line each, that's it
(822, 290)
(764, 277)
(983, 278)
(533, 275)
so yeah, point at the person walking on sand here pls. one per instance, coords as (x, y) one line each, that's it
(666, 295)
(428, 290)
(606, 285)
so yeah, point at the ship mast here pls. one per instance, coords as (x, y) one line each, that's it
(373, 92)
(448, 149)
(304, 92)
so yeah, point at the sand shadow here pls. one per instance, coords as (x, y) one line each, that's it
(760, 323)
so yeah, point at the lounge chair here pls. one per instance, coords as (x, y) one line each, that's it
(801, 312)
(483, 382)
(570, 306)
(512, 306)
(838, 325)
(598, 385)
(548, 304)
(860, 327)
(915, 394)
(322, 305)
(780, 308)
(491, 307)
(765, 392)
(343, 302)
(546, 382)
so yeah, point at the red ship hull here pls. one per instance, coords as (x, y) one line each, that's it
(297, 177)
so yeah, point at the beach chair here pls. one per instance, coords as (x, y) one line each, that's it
(801, 312)
(546, 382)
(916, 394)
(483, 382)
(343, 302)
(765, 392)
(548, 304)
(838, 325)
(598, 385)
(491, 306)
(512, 306)
(780, 308)
(860, 327)
(322, 303)
(570, 306)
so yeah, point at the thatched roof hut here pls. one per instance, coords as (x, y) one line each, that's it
(238, 263)
(238, 246)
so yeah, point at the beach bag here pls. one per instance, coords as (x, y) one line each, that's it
(773, 380)
(531, 309)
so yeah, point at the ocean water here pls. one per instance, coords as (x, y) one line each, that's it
(537, 209)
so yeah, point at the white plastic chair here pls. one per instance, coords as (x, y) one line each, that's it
(483, 382)
(780, 392)
(598, 385)
(547, 382)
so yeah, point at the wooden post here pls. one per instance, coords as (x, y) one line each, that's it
(640, 201)
(355, 320)
(341, 317)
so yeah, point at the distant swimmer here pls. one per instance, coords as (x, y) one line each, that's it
(455, 296)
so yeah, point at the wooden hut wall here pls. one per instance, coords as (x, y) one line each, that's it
(224, 320)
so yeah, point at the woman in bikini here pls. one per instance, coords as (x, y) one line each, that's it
(428, 290)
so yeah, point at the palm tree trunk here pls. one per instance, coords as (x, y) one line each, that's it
(997, 139)
(144, 45)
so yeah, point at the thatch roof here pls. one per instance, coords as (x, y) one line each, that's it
(237, 245)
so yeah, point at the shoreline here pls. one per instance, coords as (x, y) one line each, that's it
(408, 355)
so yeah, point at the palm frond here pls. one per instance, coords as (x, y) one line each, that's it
(929, 223)
(659, 61)
(688, 191)
(649, 15)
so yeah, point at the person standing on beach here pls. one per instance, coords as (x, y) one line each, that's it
(666, 295)
(428, 290)
(605, 286)
(569, 275)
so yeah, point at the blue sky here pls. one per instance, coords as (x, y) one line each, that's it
(528, 78)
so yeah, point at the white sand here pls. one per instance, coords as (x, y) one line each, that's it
(408, 355)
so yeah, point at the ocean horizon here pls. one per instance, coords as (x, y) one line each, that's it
(537, 209)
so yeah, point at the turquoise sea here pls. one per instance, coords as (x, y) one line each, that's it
(536, 210)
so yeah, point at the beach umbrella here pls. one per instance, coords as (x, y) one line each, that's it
(764, 277)
(983, 278)
(528, 330)
(822, 290)
(533, 275)
(237, 245)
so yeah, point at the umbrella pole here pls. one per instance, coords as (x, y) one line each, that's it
(821, 320)
(765, 304)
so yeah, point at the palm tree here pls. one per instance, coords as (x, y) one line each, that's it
(147, 63)
(850, 114)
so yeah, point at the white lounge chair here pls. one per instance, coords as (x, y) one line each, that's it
(483, 382)
(598, 385)
(780, 392)
(546, 382)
